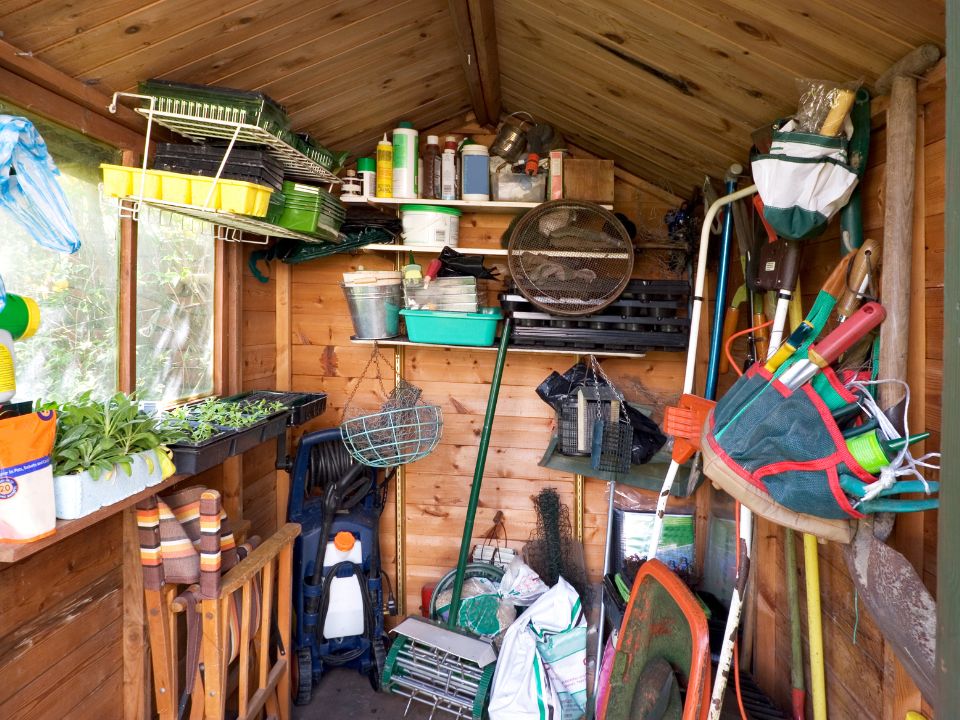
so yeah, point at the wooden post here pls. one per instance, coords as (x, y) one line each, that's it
(898, 235)
(283, 274)
(948, 518)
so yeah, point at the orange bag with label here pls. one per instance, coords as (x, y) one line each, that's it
(27, 508)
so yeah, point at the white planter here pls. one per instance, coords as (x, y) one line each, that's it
(79, 494)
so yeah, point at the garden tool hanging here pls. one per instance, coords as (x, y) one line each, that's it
(442, 666)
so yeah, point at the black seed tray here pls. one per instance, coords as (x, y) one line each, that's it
(302, 406)
(193, 459)
(649, 315)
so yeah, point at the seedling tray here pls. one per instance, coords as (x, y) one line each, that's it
(303, 407)
(193, 458)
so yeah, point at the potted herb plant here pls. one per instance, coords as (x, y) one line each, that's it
(105, 451)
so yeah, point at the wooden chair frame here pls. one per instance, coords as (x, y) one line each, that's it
(260, 684)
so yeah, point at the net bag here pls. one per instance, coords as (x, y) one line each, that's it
(403, 430)
(780, 452)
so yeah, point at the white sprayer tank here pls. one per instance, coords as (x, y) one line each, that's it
(345, 609)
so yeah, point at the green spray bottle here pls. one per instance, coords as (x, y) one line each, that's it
(19, 320)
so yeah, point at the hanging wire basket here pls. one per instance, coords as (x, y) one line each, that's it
(403, 430)
(393, 437)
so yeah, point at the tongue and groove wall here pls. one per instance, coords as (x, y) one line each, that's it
(323, 358)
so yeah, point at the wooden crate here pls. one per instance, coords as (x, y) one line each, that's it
(588, 180)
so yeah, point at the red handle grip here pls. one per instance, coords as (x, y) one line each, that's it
(869, 316)
(434, 267)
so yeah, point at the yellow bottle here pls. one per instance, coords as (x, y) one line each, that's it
(384, 168)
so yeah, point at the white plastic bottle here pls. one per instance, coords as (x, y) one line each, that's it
(405, 161)
(448, 169)
(345, 608)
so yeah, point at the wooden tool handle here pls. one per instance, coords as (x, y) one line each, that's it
(857, 325)
(837, 279)
(867, 258)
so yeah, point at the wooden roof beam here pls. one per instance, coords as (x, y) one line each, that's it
(476, 31)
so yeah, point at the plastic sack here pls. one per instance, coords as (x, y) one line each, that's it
(481, 611)
(541, 669)
(824, 106)
(27, 507)
(29, 189)
(455, 264)
(521, 585)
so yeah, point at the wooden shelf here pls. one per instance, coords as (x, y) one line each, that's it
(504, 207)
(406, 342)
(502, 252)
(11, 552)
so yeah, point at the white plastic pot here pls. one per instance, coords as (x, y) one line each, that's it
(79, 494)
(430, 225)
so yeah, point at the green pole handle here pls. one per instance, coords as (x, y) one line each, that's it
(478, 475)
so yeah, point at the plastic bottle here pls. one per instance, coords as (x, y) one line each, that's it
(448, 169)
(367, 170)
(405, 160)
(344, 617)
(431, 169)
(475, 172)
(384, 168)
(19, 320)
(351, 186)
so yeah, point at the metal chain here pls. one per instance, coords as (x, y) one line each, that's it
(376, 357)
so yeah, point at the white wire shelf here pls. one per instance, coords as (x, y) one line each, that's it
(296, 165)
(404, 341)
(227, 226)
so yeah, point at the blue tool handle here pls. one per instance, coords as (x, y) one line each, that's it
(716, 332)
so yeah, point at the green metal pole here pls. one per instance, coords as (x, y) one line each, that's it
(948, 518)
(478, 475)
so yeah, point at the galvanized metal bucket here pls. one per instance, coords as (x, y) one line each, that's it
(374, 309)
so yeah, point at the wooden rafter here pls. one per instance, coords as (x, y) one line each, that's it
(477, 39)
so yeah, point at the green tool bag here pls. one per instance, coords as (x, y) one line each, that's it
(781, 453)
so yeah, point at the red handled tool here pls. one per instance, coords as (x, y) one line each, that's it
(833, 345)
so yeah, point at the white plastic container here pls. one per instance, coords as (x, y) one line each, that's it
(475, 173)
(405, 161)
(345, 611)
(79, 494)
(430, 225)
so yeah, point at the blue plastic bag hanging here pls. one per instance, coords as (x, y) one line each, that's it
(29, 189)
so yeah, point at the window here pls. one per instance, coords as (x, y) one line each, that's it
(75, 348)
(175, 267)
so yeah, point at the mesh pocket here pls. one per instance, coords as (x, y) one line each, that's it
(784, 444)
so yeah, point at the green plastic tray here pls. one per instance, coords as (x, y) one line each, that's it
(453, 328)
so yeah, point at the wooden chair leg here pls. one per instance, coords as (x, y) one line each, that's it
(161, 655)
(284, 610)
(215, 614)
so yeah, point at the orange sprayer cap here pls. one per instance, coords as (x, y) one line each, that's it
(344, 541)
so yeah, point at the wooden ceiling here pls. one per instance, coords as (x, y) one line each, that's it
(669, 88)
